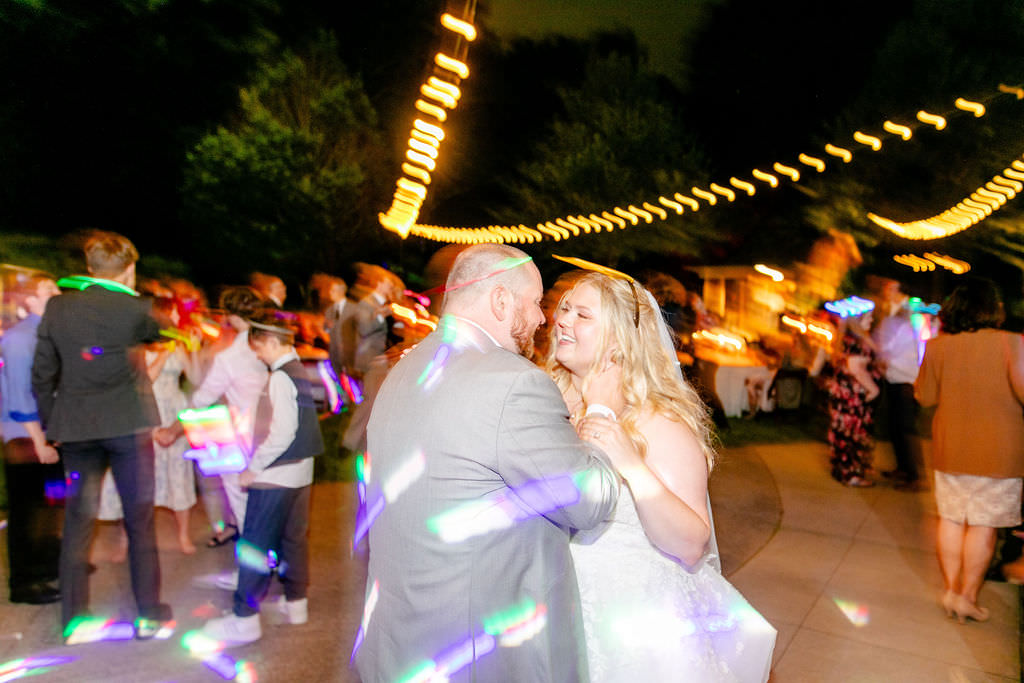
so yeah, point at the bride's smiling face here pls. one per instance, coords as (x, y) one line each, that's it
(578, 326)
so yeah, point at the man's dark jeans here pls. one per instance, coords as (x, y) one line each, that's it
(131, 460)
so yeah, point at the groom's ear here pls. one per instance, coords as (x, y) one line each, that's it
(501, 300)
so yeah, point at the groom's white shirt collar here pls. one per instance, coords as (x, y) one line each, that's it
(477, 326)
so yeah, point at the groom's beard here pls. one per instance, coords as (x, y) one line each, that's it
(521, 334)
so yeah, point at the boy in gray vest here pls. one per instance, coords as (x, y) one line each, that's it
(279, 478)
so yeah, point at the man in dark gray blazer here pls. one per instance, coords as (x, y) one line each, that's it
(476, 478)
(97, 403)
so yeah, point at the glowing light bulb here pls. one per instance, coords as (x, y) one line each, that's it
(869, 140)
(456, 25)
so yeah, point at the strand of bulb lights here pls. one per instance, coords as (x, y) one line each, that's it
(439, 93)
(985, 200)
(930, 260)
(970, 211)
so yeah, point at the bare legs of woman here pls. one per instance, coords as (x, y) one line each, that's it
(964, 555)
(181, 518)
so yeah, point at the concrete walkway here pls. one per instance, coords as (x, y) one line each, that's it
(847, 576)
(851, 582)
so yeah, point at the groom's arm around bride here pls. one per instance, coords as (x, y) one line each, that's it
(478, 476)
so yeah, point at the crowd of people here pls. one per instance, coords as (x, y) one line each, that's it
(574, 492)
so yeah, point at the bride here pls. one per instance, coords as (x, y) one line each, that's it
(655, 604)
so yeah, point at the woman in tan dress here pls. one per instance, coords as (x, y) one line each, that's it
(975, 374)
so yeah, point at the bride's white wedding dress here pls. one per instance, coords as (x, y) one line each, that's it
(648, 618)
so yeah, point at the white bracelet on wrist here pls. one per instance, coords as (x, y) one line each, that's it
(602, 410)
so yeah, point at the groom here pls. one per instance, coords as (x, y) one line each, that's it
(475, 477)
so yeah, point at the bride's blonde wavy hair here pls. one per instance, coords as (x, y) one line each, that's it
(650, 378)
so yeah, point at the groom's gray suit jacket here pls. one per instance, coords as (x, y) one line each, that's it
(474, 459)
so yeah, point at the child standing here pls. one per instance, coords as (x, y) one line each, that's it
(279, 479)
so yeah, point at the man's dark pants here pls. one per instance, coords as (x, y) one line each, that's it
(33, 516)
(903, 410)
(131, 460)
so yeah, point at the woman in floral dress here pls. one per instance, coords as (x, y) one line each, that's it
(851, 389)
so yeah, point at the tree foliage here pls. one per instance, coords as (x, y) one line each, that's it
(618, 142)
(288, 183)
(927, 61)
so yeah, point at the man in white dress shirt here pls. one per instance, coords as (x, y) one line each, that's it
(898, 351)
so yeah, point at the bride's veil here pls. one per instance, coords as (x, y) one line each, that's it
(711, 557)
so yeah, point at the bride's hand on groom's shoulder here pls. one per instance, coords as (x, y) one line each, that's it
(610, 437)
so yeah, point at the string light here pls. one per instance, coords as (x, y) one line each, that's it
(774, 274)
(869, 140)
(841, 152)
(743, 185)
(813, 162)
(973, 209)
(932, 119)
(441, 92)
(916, 262)
(957, 266)
(766, 177)
(896, 129)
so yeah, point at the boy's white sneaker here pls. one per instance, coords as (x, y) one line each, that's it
(232, 630)
(293, 611)
(227, 581)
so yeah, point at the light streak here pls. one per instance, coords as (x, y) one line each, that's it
(820, 331)
(456, 25)
(502, 509)
(857, 614)
(814, 162)
(770, 272)
(625, 214)
(869, 140)
(431, 110)
(851, 306)
(641, 213)
(841, 152)
(793, 322)
(897, 129)
(438, 95)
(94, 629)
(957, 266)
(765, 177)
(720, 338)
(705, 195)
(689, 201)
(422, 159)
(675, 206)
(1013, 90)
(916, 262)
(724, 191)
(742, 185)
(793, 174)
(657, 210)
(976, 108)
(451, 64)
(932, 119)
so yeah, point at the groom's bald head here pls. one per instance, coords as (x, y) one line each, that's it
(499, 288)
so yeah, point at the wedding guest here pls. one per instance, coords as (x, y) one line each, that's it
(365, 339)
(466, 423)
(897, 353)
(851, 389)
(278, 478)
(31, 464)
(95, 401)
(175, 488)
(974, 374)
(270, 287)
(238, 376)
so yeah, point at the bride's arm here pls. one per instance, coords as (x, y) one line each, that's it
(669, 485)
